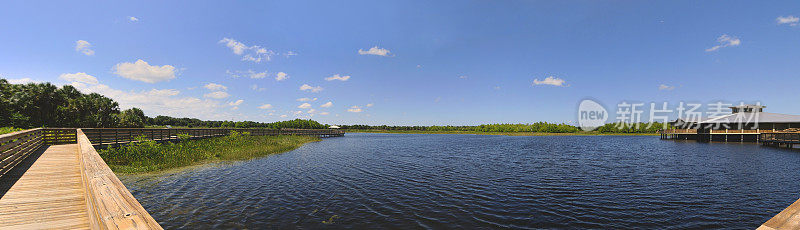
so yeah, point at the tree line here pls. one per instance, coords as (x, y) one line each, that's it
(538, 127)
(46, 105)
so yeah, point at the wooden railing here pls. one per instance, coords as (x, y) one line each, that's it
(116, 136)
(781, 137)
(679, 131)
(109, 203)
(735, 131)
(16, 146)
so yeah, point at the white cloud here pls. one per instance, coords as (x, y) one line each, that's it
(549, 81)
(725, 41)
(375, 51)
(236, 103)
(324, 113)
(133, 19)
(141, 71)
(327, 105)
(306, 87)
(84, 47)
(370, 105)
(79, 77)
(354, 109)
(462, 77)
(265, 106)
(791, 20)
(306, 99)
(249, 73)
(284, 116)
(496, 87)
(310, 111)
(337, 77)
(256, 88)
(215, 87)
(281, 76)
(22, 81)
(665, 87)
(304, 106)
(161, 102)
(217, 95)
(290, 53)
(248, 53)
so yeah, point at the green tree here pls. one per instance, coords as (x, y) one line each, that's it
(132, 118)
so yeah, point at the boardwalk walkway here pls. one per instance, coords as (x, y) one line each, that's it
(45, 191)
(53, 178)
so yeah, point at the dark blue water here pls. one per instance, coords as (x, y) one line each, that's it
(368, 181)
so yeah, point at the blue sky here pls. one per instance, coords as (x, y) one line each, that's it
(434, 62)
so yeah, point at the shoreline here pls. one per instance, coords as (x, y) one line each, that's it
(499, 133)
(188, 154)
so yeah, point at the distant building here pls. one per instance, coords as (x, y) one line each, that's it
(744, 123)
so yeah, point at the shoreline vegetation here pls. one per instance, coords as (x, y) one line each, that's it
(582, 133)
(149, 156)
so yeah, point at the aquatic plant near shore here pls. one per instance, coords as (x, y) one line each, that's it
(147, 155)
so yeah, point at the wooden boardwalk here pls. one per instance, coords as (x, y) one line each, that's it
(53, 178)
(789, 218)
(45, 191)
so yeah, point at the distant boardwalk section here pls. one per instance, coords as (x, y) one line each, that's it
(54, 178)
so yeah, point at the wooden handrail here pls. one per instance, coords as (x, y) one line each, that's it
(16, 146)
(109, 203)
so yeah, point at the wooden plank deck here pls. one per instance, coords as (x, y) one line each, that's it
(45, 191)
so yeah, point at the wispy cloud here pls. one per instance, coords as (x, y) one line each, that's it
(265, 106)
(304, 106)
(725, 41)
(665, 87)
(313, 89)
(236, 103)
(280, 76)
(355, 109)
(79, 77)
(141, 71)
(217, 95)
(554, 81)
(249, 73)
(337, 77)
(215, 87)
(327, 105)
(306, 99)
(22, 81)
(791, 20)
(375, 51)
(84, 47)
(249, 53)
(133, 19)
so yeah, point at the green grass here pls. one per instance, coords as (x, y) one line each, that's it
(4, 130)
(149, 156)
(498, 133)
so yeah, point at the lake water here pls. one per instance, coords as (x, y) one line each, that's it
(367, 181)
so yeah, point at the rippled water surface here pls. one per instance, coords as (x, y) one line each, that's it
(367, 181)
